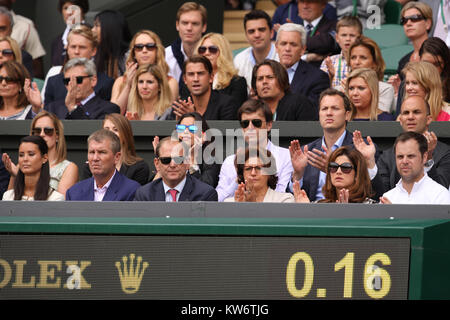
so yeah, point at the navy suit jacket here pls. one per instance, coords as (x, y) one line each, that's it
(56, 90)
(309, 81)
(96, 108)
(194, 190)
(120, 189)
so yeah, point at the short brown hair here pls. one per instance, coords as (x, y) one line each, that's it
(254, 105)
(193, 6)
(102, 135)
(198, 59)
(349, 21)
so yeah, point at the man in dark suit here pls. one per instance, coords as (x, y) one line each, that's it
(415, 116)
(303, 77)
(106, 184)
(175, 184)
(310, 162)
(81, 101)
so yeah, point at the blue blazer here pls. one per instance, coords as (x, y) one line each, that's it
(120, 189)
(194, 190)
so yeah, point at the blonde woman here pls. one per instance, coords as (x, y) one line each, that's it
(150, 97)
(362, 90)
(145, 48)
(423, 79)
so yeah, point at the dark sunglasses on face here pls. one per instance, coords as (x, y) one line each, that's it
(257, 123)
(211, 49)
(346, 167)
(148, 46)
(167, 160)
(7, 52)
(48, 131)
(8, 79)
(181, 128)
(79, 80)
(413, 18)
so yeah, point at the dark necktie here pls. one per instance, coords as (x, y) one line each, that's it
(309, 28)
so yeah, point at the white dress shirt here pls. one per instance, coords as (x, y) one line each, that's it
(179, 188)
(174, 69)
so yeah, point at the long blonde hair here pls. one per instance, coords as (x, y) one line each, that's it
(428, 77)
(225, 66)
(135, 102)
(370, 77)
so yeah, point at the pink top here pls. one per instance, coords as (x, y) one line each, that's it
(443, 116)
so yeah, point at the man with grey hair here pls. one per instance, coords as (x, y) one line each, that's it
(106, 183)
(303, 77)
(81, 102)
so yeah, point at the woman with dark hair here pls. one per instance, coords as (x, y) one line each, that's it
(347, 179)
(130, 165)
(33, 178)
(113, 35)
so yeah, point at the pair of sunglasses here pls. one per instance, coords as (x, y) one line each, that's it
(148, 46)
(211, 49)
(250, 168)
(8, 79)
(36, 131)
(167, 160)
(79, 80)
(257, 123)
(413, 18)
(346, 167)
(7, 52)
(181, 128)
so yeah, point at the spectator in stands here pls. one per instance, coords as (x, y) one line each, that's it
(4, 178)
(191, 22)
(175, 183)
(6, 25)
(72, 12)
(113, 37)
(10, 50)
(212, 105)
(365, 53)
(82, 44)
(81, 101)
(129, 164)
(347, 179)
(14, 104)
(256, 121)
(216, 48)
(422, 79)
(27, 37)
(145, 48)
(33, 175)
(258, 31)
(362, 9)
(362, 90)
(415, 116)
(257, 178)
(415, 186)
(270, 82)
(106, 184)
(150, 97)
(441, 19)
(303, 77)
(309, 163)
(348, 30)
(239, 4)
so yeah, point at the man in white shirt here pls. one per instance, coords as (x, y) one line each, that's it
(414, 187)
(256, 122)
(191, 24)
(259, 32)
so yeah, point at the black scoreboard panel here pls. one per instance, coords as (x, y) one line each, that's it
(78, 266)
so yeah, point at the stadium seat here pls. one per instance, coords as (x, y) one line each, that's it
(389, 35)
(392, 11)
(236, 51)
(393, 55)
(39, 82)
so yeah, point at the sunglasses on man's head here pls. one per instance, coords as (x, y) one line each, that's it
(7, 52)
(257, 123)
(413, 18)
(79, 80)
(148, 46)
(181, 128)
(211, 49)
(8, 79)
(167, 160)
(346, 167)
(36, 131)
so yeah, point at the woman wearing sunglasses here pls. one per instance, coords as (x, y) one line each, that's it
(145, 48)
(63, 173)
(347, 179)
(257, 178)
(130, 165)
(33, 174)
(10, 50)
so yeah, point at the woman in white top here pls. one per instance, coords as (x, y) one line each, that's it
(257, 179)
(33, 176)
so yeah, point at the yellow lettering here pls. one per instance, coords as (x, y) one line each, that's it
(83, 284)
(19, 276)
(6, 273)
(291, 275)
(48, 273)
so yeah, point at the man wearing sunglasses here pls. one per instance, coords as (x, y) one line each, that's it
(256, 121)
(81, 102)
(175, 183)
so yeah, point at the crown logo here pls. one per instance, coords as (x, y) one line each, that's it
(131, 275)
